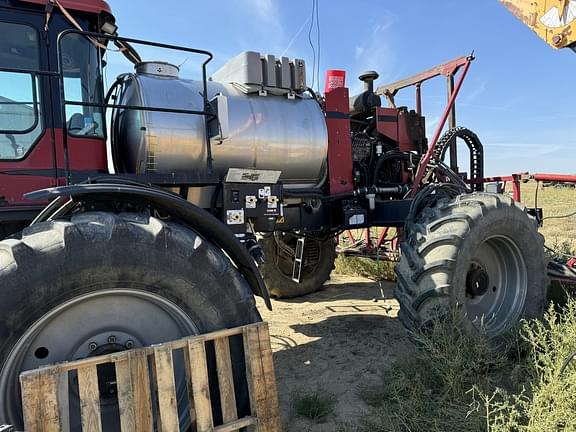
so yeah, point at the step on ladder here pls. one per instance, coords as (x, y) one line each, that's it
(298, 259)
(146, 388)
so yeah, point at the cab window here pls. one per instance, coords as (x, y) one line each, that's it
(20, 110)
(82, 83)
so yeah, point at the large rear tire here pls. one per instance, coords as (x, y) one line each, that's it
(105, 282)
(479, 252)
(279, 249)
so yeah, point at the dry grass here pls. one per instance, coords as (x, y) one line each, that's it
(365, 267)
(547, 401)
(430, 391)
(554, 202)
(376, 269)
(460, 382)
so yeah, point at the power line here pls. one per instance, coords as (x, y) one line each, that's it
(312, 16)
(318, 45)
(295, 37)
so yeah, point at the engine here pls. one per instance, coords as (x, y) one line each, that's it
(386, 142)
(379, 158)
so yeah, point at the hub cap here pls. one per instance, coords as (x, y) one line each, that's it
(496, 285)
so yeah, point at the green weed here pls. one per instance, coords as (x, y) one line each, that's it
(314, 404)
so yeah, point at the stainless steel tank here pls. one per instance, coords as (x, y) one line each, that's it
(263, 132)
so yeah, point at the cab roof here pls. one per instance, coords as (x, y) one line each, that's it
(90, 6)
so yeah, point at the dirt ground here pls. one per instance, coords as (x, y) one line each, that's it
(333, 340)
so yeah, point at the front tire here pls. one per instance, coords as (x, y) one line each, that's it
(479, 252)
(105, 282)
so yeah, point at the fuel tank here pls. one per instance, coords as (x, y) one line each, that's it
(260, 130)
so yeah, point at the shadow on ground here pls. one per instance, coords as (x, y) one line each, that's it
(347, 288)
(334, 340)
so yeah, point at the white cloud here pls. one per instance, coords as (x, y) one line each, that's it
(526, 151)
(358, 52)
(266, 10)
(431, 125)
(472, 95)
(265, 20)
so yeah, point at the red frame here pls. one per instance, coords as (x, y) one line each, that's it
(448, 69)
(518, 178)
(337, 110)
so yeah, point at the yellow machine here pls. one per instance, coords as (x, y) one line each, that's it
(553, 20)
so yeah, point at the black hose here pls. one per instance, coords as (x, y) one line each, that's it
(295, 193)
(394, 154)
(113, 118)
(214, 198)
(113, 88)
(315, 96)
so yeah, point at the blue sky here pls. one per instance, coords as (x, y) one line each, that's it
(518, 96)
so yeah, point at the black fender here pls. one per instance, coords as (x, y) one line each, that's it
(201, 221)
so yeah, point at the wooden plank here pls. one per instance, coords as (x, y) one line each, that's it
(261, 378)
(89, 399)
(272, 422)
(141, 387)
(64, 401)
(167, 403)
(225, 380)
(237, 424)
(40, 402)
(200, 387)
(188, 369)
(253, 373)
(134, 393)
(125, 396)
(30, 401)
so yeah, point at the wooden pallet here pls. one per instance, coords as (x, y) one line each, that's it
(147, 395)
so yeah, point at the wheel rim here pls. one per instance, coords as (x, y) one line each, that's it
(496, 285)
(92, 324)
(285, 253)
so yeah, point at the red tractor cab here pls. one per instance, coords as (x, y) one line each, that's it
(32, 121)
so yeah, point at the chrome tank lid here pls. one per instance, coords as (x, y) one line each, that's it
(157, 68)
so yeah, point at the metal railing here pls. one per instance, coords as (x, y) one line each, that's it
(206, 112)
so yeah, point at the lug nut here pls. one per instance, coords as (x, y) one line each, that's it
(129, 344)
(111, 339)
(92, 346)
